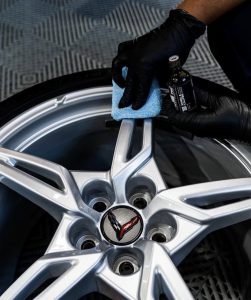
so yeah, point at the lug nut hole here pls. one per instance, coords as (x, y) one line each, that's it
(159, 237)
(88, 244)
(140, 203)
(99, 206)
(126, 264)
(126, 268)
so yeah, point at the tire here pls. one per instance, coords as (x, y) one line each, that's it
(39, 93)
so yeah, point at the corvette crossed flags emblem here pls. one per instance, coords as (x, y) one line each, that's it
(121, 230)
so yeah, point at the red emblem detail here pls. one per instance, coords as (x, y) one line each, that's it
(128, 226)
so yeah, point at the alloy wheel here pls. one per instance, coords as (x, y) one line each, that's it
(121, 232)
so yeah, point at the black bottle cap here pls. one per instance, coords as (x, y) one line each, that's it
(174, 61)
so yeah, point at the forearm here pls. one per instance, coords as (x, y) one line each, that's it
(208, 11)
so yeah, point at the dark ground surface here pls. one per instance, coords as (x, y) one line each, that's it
(44, 39)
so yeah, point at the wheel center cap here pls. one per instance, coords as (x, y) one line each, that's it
(121, 225)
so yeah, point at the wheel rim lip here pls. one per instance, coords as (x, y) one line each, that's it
(14, 126)
(52, 106)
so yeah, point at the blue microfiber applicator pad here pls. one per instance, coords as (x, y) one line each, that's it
(150, 109)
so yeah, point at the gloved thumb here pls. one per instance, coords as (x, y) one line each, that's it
(199, 123)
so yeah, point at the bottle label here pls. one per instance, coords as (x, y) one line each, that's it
(173, 97)
(183, 96)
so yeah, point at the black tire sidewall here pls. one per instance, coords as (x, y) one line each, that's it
(20, 102)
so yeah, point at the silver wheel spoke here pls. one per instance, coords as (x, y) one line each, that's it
(122, 168)
(68, 269)
(55, 200)
(82, 272)
(230, 214)
(183, 201)
(60, 240)
(194, 223)
(40, 271)
(213, 192)
(158, 266)
(163, 201)
(187, 236)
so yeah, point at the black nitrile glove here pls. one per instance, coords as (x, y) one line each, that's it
(221, 113)
(147, 56)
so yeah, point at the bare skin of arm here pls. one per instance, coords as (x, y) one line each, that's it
(208, 11)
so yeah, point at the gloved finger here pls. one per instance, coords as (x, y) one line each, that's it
(128, 95)
(117, 66)
(143, 85)
(202, 93)
(213, 87)
(125, 46)
(207, 92)
(120, 61)
(201, 124)
(167, 107)
(162, 74)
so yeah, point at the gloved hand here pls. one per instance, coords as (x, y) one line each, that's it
(222, 113)
(147, 56)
